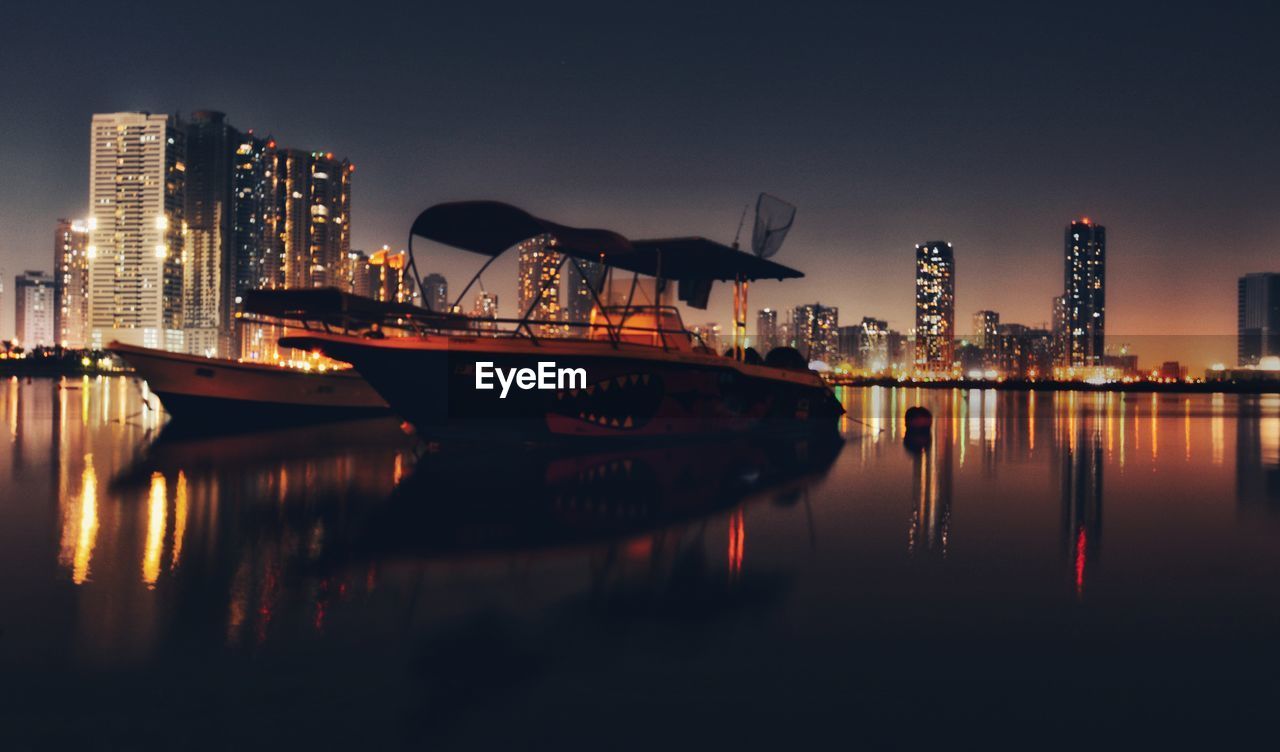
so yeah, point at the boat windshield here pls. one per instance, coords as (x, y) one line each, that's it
(659, 326)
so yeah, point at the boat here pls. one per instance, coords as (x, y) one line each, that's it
(223, 392)
(220, 394)
(632, 371)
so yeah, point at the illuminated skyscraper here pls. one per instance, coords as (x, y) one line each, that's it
(539, 283)
(985, 326)
(1084, 293)
(816, 329)
(309, 225)
(935, 307)
(1258, 318)
(584, 281)
(136, 230)
(359, 275)
(435, 293)
(486, 310)
(210, 217)
(766, 330)
(251, 267)
(1060, 337)
(33, 294)
(71, 282)
(330, 220)
(388, 273)
(873, 348)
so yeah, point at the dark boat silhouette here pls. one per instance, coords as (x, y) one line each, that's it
(645, 375)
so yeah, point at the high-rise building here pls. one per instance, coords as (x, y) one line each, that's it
(1060, 338)
(330, 218)
(359, 280)
(816, 329)
(873, 349)
(1084, 293)
(1258, 318)
(766, 330)
(539, 284)
(935, 307)
(250, 263)
(848, 344)
(435, 293)
(1022, 352)
(33, 297)
(309, 223)
(389, 277)
(71, 282)
(986, 325)
(584, 282)
(486, 310)
(210, 213)
(136, 230)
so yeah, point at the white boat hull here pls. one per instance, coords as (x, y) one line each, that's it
(226, 391)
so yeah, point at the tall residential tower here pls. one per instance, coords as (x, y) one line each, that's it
(1085, 294)
(71, 282)
(136, 230)
(935, 307)
(1258, 318)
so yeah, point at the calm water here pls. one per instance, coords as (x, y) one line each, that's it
(1064, 565)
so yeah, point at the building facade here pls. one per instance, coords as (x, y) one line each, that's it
(584, 282)
(766, 330)
(986, 325)
(71, 283)
(485, 311)
(1258, 318)
(1084, 294)
(816, 329)
(136, 230)
(34, 304)
(935, 307)
(539, 285)
(435, 293)
(309, 222)
(209, 211)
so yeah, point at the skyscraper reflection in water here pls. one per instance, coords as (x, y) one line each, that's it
(1082, 463)
(932, 484)
(1258, 454)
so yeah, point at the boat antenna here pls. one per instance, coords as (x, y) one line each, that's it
(741, 220)
(774, 218)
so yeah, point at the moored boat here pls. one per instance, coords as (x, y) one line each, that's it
(633, 371)
(229, 392)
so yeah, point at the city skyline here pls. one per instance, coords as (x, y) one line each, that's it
(1178, 148)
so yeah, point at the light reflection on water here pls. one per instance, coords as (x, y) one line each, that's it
(135, 551)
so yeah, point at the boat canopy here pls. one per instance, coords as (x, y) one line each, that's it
(332, 306)
(490, 228)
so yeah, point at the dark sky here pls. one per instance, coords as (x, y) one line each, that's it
(987, 127)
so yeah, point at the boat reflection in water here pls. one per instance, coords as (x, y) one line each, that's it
(465, 502)
(347, 585)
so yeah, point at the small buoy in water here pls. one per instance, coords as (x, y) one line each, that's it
(919, 419)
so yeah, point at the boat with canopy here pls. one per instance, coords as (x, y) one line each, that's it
(643, 374)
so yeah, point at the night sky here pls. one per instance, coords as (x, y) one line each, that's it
(990, 128)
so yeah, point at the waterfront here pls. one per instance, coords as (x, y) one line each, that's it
(1071, 563)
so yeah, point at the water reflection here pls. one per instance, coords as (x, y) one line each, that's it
(301, 563)
(1258, 454)
(932, 479)
(1082, 467)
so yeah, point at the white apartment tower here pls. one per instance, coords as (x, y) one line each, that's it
(136, 230)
